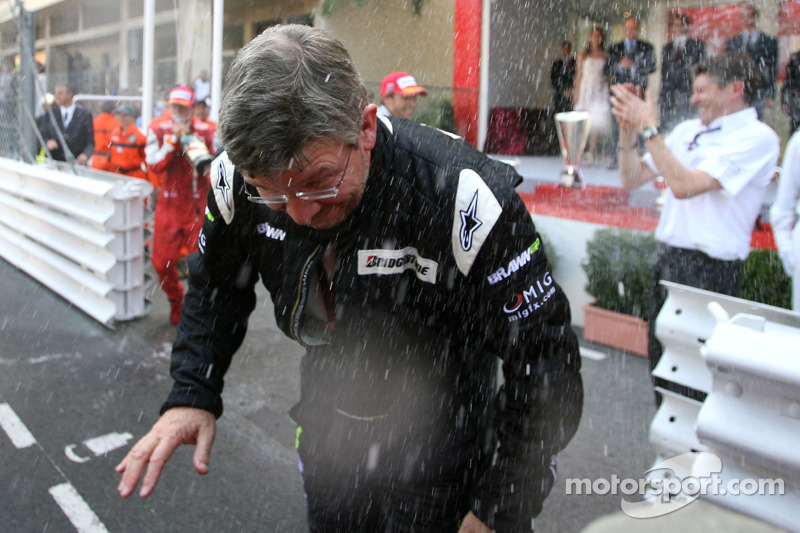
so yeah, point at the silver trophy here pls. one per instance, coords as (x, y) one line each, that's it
(573, 131)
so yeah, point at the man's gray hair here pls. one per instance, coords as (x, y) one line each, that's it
(290, 86)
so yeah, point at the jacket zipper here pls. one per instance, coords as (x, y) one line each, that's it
(302, 287)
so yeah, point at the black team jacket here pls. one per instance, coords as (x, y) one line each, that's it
(439, 272)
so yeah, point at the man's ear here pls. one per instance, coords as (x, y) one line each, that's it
(369, 127)
(737, 87)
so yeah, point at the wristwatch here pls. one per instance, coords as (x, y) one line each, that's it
(648, 133)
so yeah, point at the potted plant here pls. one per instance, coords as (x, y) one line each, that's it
(618, 266)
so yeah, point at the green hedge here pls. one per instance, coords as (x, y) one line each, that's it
(439, 115)
(619, 262)
(765, 281)
(618, 266)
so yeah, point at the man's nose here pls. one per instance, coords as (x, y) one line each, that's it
(302, 211)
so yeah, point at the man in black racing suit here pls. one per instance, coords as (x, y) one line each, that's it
(404, 262)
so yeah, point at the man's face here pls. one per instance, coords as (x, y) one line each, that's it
(125, 120)
(201, 111)
(400, 106)
(63, 97)
(324, 166)
(181, 113)
(749, 17)
(631, 29)
(711, 100)
(678, 28)
(566, 50)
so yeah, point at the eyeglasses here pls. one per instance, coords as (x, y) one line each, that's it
(693, 144)
(321, 194)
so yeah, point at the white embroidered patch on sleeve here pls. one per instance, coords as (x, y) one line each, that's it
(222, 181)
(476, 212)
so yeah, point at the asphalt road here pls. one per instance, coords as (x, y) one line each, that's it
(76, 395)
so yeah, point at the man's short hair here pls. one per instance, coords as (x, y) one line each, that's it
(107, 106)
(732, 66)
(290, 86)
(67, 87)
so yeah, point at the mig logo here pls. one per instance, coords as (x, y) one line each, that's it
(523, 304)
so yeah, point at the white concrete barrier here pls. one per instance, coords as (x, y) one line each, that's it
(79, 233)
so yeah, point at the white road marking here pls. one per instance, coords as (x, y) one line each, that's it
(51, 357)
(69, 451)
(592, 354)
(76, 509)
(14, 428)
(106, 443)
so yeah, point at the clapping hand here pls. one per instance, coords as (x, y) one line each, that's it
(632, 113)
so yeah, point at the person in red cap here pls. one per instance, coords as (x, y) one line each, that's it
(173, 141)
(399, 92)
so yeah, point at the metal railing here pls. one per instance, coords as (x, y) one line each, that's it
(78, 231)
(744, 357)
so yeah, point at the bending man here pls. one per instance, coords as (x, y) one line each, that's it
(404, 262)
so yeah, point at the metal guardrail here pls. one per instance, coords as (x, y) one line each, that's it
(749, 368)
(81, 234)
(751, 418)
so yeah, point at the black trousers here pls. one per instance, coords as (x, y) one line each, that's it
(373, 475)
(696, 269)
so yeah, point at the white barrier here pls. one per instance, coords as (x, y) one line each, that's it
(749, 367)
(751, 418)
(684, 325)
(81, 235)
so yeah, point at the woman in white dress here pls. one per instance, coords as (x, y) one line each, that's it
(591, 89)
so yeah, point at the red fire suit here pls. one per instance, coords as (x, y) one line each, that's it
(180, 204)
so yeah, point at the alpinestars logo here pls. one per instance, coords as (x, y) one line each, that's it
(396, 262)
(222, 183)
(469, 223)
(271, 233)
(535, 296)
(515, 264)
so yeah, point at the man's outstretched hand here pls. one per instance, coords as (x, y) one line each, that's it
(179, 425)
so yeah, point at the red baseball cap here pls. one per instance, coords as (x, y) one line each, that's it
(402, 83)
(181, 95)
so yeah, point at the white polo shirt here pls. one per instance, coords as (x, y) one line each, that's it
(741, 153)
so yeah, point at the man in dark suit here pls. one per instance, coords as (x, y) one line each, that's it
(76, 126)
(790, 96)
(629, 62)
(764, 51)
(562, 78)
(677, 59)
